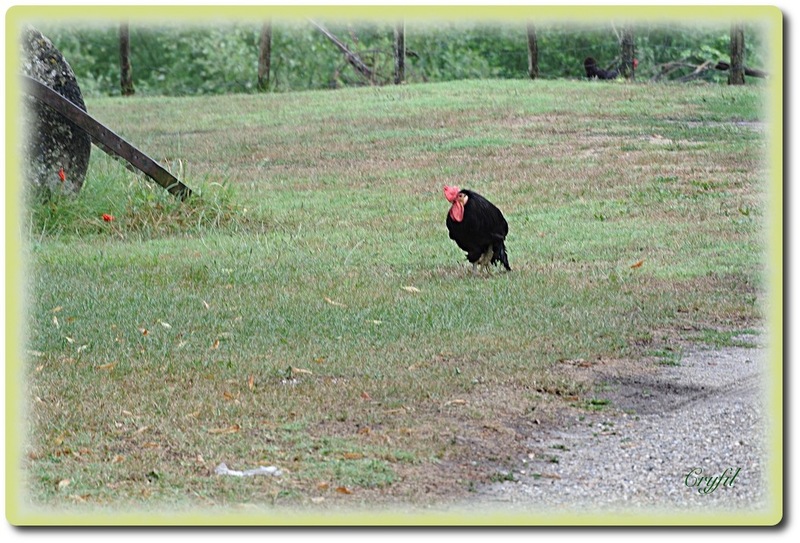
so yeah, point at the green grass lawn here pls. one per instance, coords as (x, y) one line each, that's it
(307, 310)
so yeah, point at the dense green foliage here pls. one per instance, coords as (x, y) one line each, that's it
(186, 60)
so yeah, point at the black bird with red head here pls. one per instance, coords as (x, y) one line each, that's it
(478, 228)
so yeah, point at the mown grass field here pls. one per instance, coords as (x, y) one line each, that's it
(308, 310)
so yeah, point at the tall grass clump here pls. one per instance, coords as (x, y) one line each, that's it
(119, 204)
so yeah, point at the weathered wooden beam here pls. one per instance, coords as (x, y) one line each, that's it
(752, 72)
(104, 138)
(352, 58)
(698, 72)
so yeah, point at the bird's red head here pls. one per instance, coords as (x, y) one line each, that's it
(451, 193)
(455, 197)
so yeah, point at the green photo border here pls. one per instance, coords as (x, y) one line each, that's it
(20, 513)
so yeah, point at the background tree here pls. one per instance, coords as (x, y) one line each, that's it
(399, 52)
(736, 76)
(533, 51)
(264, 56)
(628, 53)
(125, 69)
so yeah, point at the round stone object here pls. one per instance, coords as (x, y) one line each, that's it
(55, 151)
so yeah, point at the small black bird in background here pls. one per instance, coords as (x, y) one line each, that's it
(592, 71)
(478, 228)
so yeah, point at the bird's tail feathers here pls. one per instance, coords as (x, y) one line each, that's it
(500, 255)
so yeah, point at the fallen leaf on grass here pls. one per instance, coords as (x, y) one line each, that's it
(323, 485)
(365, 396)
(215, 345)
(353, 456)
(108, 366)
(333, 302)
(638, 264)
(117, 459)
(229, 430)
(144, 331)
(205, 304)
(165, 324)
(251, 381)
(455, 402)
(228, 396)
(55, 321)
(64, 483)
(343, 490)
(411, 289)
(56, 309)
(301, 371)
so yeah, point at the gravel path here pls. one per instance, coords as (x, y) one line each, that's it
(706, 413)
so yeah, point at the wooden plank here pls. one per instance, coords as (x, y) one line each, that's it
(350, 56)
(104, 138)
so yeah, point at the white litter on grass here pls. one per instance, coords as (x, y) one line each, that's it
(222, 469)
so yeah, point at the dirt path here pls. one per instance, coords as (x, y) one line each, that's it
(703, 416)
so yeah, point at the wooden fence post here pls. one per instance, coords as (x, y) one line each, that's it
(125, 69)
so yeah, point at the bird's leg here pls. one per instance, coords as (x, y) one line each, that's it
(485, 260)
